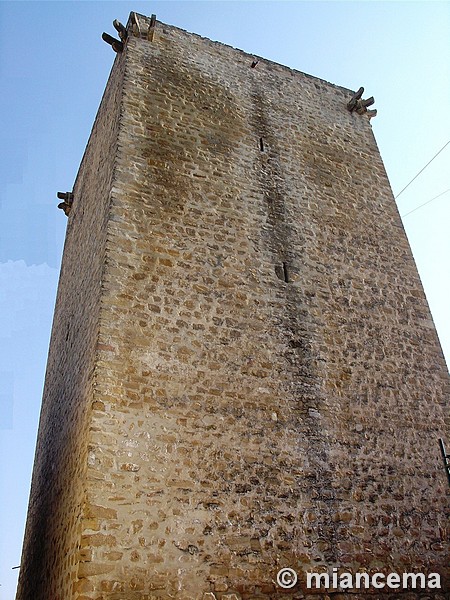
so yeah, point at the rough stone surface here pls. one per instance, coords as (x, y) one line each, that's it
(244, 374)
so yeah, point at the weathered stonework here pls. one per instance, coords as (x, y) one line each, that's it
(244, 374)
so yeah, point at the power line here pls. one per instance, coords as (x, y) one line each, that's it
(427, 202)
(421, 170)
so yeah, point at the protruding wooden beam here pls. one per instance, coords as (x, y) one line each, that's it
(151, 29)
(66, 205)
(67, 196)
(117, 45)
(368, 102)
(123, 33)
(360, 106)
(136, 27)
(354, 99)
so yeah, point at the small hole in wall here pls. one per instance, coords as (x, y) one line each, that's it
(261, 144)
(282, 272)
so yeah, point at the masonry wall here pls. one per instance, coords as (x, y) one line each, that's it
(269, 387)
(52, 539)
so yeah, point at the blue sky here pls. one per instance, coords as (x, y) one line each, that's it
(54, 67)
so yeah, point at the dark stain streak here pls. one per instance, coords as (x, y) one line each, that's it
(294, 324)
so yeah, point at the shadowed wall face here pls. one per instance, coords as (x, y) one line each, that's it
(258, 397)
(52, 539)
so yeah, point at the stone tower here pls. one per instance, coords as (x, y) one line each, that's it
(243, 374)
